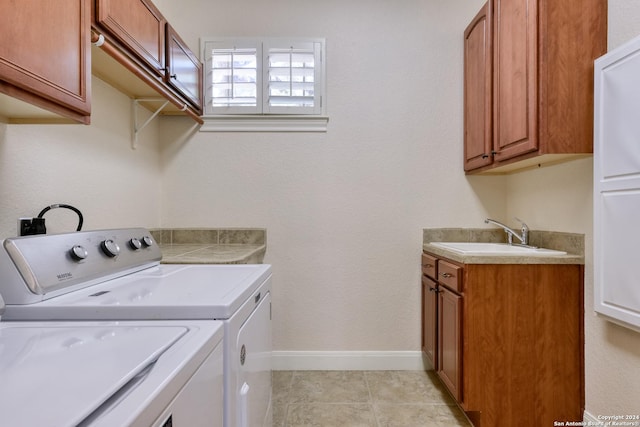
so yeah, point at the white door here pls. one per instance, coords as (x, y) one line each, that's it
(617, 184)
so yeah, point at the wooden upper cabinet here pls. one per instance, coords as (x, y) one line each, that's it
(184, 70)
(477, 91)
(515, 77)
(542, 54)
(138, 26)
(45, 55)
(143, 57)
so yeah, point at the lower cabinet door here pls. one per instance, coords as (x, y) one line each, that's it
(449, 341)
(429, 320)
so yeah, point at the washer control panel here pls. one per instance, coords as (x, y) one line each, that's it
(58, 263)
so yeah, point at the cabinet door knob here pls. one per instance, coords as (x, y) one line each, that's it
(446, 275)
(485, 156)
(427, 265)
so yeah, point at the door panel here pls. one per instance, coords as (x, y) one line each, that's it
(253, 388)
(515, 84)
(184, 69)
(429, 320)
(449, 340)
(477, 91)
(139, 26)
(56, 68)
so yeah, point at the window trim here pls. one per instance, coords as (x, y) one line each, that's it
(264, 123)
(234, 121)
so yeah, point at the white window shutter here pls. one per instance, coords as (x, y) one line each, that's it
(292, 77)
(233, 73)
(276, 76)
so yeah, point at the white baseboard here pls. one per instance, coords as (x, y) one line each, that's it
(348, 361)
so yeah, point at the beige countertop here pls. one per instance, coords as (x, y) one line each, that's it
(571, 243)
(212, 254)
(211, 246)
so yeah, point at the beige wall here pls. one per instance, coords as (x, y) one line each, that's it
(90, 167)
(344, 209)
(560, 198)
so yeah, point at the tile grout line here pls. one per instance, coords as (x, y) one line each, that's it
(376, 417)
(371, 400)
(285, 421)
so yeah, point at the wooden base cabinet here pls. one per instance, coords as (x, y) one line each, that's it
(511, 342)
(449, 341)
(442, 320)
(429, 310)
(429, 320)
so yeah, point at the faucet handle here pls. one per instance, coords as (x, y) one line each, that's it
(525, 232)
(524, 226)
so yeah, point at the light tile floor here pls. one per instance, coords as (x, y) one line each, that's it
(362, 399)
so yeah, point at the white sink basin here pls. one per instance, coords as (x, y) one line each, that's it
(477, 248)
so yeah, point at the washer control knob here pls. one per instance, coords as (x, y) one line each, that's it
(147, 241)
(110, 248)
(135, 243)
(78, 253)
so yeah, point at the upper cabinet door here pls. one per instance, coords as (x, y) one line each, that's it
(45, 54)
(138, 26)
(515, 78)
(184, 69)
(477, 91)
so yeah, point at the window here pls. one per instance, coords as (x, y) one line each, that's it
(231, 78)
(263, 78)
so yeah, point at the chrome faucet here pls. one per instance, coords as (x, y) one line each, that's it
(524, 237)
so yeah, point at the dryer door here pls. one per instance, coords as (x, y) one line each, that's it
(253, 388)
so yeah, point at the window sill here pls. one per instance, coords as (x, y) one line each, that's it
(275, 123)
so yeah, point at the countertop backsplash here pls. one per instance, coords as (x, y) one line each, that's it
(212, 245)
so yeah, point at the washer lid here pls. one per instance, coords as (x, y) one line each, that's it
(57, 376)
(164, 292)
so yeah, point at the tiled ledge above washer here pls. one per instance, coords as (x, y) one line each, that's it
(571, 243)
(212, 245)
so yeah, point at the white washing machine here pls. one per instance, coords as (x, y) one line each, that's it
(115, 275)
(105, 374)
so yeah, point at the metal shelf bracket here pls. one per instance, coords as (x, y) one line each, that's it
(137, 127)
